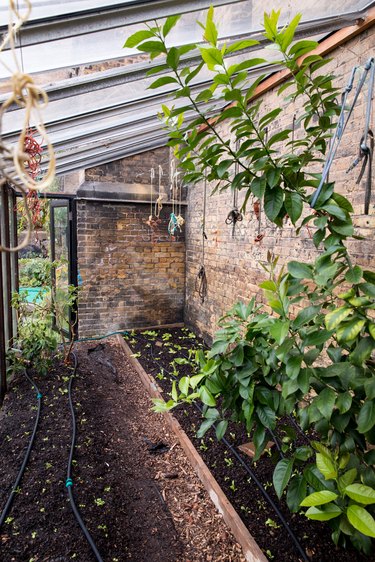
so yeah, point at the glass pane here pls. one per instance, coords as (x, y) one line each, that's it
(60, 253)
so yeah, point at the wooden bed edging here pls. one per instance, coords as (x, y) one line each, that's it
(251, 550)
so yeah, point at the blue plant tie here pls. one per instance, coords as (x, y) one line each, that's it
(69, 483)
(39, 396)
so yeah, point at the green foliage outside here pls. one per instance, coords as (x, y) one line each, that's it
(35, 272)
(317, 365)
(40, 330)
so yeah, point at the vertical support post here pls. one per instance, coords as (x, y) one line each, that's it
(3, 380)
(8, 267)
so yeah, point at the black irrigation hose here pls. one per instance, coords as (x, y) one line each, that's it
(252, 475)
(17, 482)
(69, 480)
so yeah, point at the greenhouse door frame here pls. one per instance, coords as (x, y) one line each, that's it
(59, 201)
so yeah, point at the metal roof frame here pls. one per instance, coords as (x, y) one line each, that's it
(90, 21)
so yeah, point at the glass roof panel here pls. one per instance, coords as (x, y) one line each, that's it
(239, 18)
(48, 8)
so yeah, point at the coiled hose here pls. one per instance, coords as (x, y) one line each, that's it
(17, 482)
(69, 480)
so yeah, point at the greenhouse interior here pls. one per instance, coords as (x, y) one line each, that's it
(187, 281)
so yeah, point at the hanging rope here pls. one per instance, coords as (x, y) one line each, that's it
(343, 120)
(366, 145)
(18, 163)
(201, 285)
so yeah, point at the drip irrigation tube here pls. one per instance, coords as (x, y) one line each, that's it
(17, 482)
(251, 473)
(69, 480)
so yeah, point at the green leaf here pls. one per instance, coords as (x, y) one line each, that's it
(169, 24)
(347, 478)
(152, 47)
(258, 186)
(267, 416)
(223, 167)
(162, 81)
(221, 429)
(281, 475)
(345, 229)
(204, 427)
(344, 402)
(334, 318)
(366, 417)
(325, 402)
(302, 47)
(212, 57)
(210, 31)
(288, 34)
(368, 289)
(183, 385)
(296, 492)
(293, 205)
(317, 338)
(347, 331)
(273, 202)
(362, 352)
(360, 493)
(354, 275)
(305, 316)
(370, 388)
(326, 466)
(361, 520)
(334, 210)
(319, 498)
(279, 330)
(300, 270)
(137, 38)
(243, 44)
(174, 392)
(206, 396)
(330, 511)
(303, 453)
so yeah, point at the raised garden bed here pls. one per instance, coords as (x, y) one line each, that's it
(157, 353)
(137, 505)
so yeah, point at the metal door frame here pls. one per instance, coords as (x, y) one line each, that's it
(70, 204)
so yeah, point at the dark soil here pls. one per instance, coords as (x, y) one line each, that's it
(156, 352)
(124, 492)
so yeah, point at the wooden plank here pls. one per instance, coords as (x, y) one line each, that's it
(251, 550)
(324, 48)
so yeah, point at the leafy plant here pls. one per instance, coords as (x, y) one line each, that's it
(37, 340)
(307, 352)
(35, 272)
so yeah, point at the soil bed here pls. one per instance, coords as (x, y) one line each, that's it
(156, 352)
(136, 491)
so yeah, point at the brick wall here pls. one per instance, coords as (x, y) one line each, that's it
(134, 169)
(233, 262)
(128, 280)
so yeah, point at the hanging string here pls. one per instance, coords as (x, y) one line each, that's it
(201, 285)
(14, 160)
(161, 196)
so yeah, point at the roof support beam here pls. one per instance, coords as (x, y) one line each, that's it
(109, 17)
